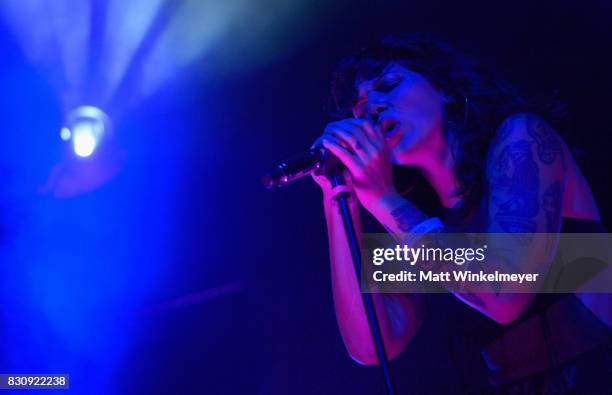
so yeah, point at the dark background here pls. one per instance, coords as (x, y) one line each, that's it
(186, 212)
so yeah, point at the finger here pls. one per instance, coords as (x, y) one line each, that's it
(354, 137)
(333, 145)
(366, 126)
(372, 134)
(317, 143)
(344, 138)
(321, 180)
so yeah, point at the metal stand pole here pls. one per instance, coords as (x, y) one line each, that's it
(368, 302)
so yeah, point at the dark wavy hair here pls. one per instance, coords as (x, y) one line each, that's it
(479, 101)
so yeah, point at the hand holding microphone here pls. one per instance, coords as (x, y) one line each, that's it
(363, 151)
(362, 148)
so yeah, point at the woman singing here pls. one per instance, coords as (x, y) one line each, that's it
(496, 166)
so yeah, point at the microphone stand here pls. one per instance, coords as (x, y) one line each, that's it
(368, 302)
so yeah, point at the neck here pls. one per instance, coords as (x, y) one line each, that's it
(438, 171)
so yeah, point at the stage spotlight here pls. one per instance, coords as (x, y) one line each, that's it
(65, 134)
(85, 127)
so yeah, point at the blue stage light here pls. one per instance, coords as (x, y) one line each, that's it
(84, 139)
(86, 127)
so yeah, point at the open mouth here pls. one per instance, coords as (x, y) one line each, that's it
(389, 127)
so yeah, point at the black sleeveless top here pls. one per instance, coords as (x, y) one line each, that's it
(531, 345)
(488, 329)
(468, 332)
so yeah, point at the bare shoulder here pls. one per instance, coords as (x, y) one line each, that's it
(526, 132)
(529, 135)
(549, 145)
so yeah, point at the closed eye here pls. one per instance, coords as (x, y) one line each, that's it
(386, 86)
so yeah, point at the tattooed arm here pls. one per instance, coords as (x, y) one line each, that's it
(399, 315)
(525, 177)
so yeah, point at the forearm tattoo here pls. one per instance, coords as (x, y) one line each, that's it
(406, 216)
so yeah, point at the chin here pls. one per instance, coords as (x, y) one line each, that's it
(403, 154)
(402, 158)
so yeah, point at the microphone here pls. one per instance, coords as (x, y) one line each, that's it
(286, 171)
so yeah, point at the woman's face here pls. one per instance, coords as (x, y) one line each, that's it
(407, 109)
